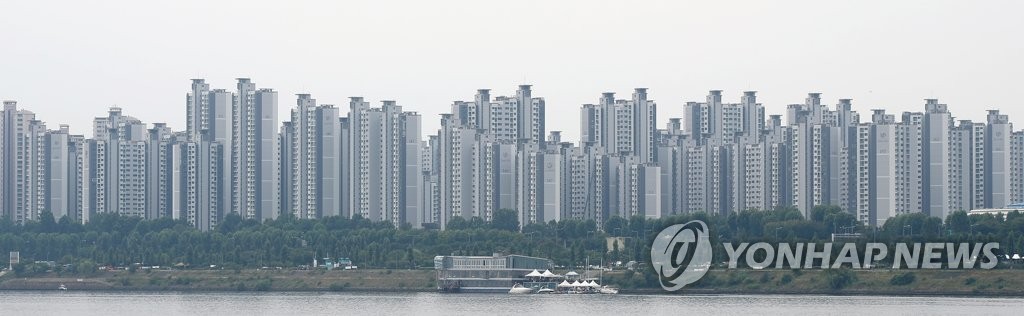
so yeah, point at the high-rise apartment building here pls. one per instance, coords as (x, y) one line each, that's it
(20, 139)
(935, 148)
(625, 127)
(254, 150)
(311, 160)
(998, 160)
(385, 169)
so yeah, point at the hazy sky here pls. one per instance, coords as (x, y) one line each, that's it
(68, 61)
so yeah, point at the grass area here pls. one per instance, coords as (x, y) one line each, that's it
(1002, 282)
(235, 280)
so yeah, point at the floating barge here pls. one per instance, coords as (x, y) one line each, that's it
(488, 274)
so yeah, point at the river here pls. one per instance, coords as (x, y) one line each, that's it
(341, 303)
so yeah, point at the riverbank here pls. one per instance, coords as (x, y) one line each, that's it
(1005, 283)
(232, 280)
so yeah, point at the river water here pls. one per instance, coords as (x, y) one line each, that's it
(293, 303)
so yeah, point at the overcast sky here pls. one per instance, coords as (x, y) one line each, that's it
(68, 61)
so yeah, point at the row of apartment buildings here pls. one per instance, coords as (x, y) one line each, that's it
(719, 158)
(234, 156)
(495, 153)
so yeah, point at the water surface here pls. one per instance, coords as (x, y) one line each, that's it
(341, 303)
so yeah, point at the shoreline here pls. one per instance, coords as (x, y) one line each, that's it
(829, 293)
(636, 292)
(934, 283)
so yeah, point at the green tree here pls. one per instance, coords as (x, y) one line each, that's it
(505, 219)
(958, 222)
(47, 224)
(457, 223)
(616, 225)
(821, 212)
(231, 223)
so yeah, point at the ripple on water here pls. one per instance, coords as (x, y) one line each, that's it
(334, 303)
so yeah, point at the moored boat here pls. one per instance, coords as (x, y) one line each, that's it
(520, 289)
(608, 290)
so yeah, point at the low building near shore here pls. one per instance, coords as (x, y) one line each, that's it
(495, 274)
(998, 211)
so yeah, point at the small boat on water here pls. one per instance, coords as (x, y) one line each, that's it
(608, 290)
(520, 289)
(545, 291)
(62, 287)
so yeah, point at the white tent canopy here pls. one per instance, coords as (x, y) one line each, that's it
(547, 274)
(577, 284)
(534, 274)
(593, 284)
(572, 273)
(564, 284)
